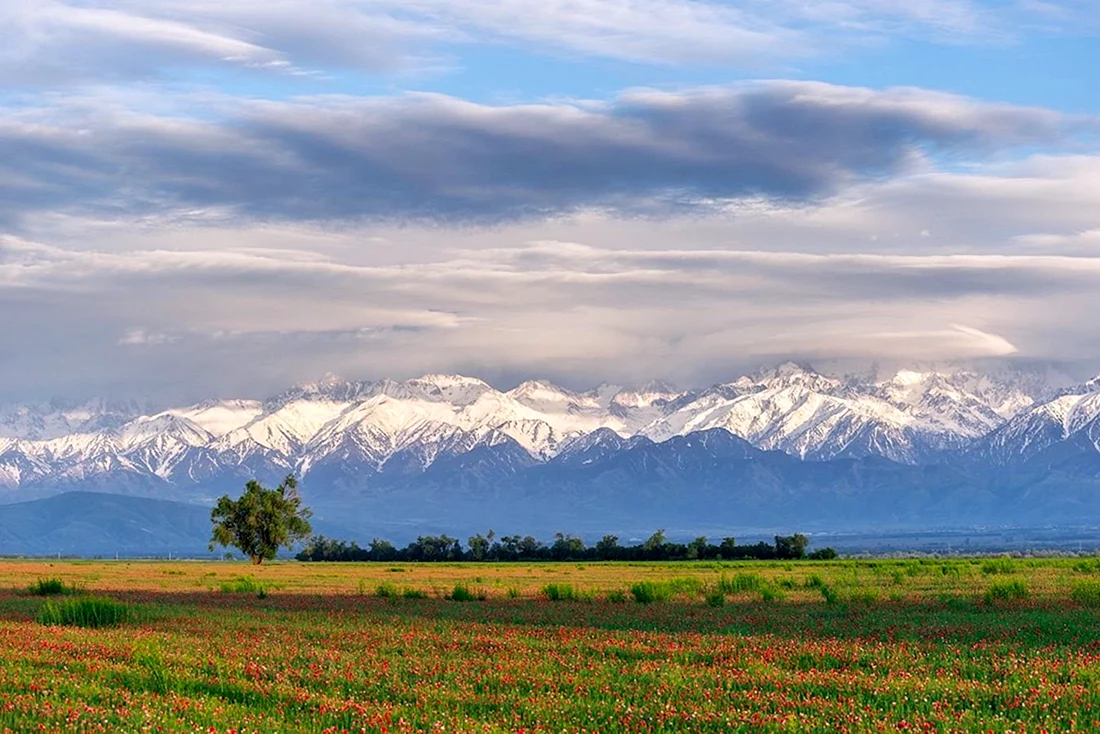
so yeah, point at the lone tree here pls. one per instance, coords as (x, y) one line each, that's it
(262, 520)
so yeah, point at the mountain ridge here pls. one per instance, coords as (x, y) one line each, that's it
(781, 430)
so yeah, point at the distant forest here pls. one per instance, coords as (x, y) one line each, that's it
(490, 547)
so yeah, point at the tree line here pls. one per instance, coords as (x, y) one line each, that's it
(262, 520)
(490, 547)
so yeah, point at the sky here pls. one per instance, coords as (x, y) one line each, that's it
(225, 198)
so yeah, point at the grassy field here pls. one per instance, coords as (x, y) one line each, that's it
(982, 644)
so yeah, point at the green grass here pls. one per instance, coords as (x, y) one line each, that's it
(560, 592)
(1006, 591)
(462, 592)
(84, 611)
(242, 585)
(647, 592)
(998, 565)
(49, 587)
(387, 590)
(1086, 593)
(740, 582)
(926, 654)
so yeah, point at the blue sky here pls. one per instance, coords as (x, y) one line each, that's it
(225, 197)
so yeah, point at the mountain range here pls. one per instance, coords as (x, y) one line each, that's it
(781, 447)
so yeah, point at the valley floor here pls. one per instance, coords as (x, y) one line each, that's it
(961, 644)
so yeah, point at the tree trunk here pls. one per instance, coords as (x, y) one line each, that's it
(257, 560)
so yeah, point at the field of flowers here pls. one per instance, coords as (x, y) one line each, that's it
(982, 644)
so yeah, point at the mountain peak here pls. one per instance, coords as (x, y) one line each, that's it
(449, 381)
(457, 389)
(534, 392)
(790, 374)
(331, 386)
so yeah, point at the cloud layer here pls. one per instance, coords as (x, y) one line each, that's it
(436, 158)
(225, 197)
(57, 42)
(249, 322)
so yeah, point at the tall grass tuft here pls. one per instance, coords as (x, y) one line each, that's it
(560, 592)
(147, 655)
(997, 565)
(647, 592)
(84, 611)
(386, 590)
(243, 585)
(49, 587)
(462, 592)
(741, 582)
(1087, 593)
(1006, 591)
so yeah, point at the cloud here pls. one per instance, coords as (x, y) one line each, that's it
(208, 321)
(436, 158)
(51, 43)
(48, 43)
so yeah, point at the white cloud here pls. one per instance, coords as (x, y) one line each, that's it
(53, 42)
(251, 321)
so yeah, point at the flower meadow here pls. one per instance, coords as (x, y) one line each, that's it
(960, 645)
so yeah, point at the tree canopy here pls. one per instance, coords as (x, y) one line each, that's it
(262, 520)
(565, 547)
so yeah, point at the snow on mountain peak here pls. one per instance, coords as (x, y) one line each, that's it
(543, 395)
(906, 417)
(451, 388)
(909, 377)
(449, 381)
(220, 417)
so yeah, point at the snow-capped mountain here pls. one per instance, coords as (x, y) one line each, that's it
(907, 418)
(1067, 426)
(61, 418)
(336, 428)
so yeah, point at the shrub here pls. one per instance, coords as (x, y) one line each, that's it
(513, 592)
(771, 593)
(827, 593)
(823, 554)
(997, 565)
(84, 611)
(242, 585)
(646, 592)
(1087, 565)
(461, 592)
(386, 590)
(684, 585)
(864, 596)
(1002, 591)
(715, 598)
(49, 587)
(410, 593)
(741, 582)
(814, 582)
(560, 592)
(1087, 593)
(616, 596)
